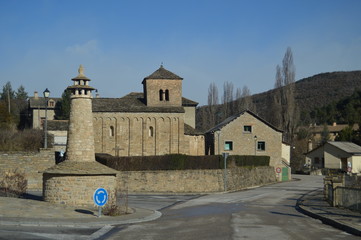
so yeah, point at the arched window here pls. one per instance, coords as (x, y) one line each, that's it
(111, 131)
(167, 95)
(161, 95)
(151, 131)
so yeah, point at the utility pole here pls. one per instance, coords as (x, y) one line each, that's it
(9, 100)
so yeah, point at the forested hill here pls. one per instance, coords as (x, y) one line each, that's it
(311, 93)
(316, 91)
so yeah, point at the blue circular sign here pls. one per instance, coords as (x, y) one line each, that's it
(100, 197)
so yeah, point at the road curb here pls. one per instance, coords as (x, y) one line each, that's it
(329, 221)
(81, 222)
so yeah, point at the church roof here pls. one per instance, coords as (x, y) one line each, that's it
(133, 102)
(188, 130)
(162, 73)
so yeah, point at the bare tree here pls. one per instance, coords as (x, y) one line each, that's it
(244, 100)
(276, 106)
(212, 105)
(285, 109)
(290, 111)
(227, 99)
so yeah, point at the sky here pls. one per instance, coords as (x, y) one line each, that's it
(120, 42)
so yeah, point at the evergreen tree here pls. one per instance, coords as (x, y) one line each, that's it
(21, 94)
(7, 92)
(62, 110)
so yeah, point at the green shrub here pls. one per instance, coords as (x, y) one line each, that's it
(179, 162)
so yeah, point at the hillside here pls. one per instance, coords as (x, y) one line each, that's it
(316, 91)
(312, 92)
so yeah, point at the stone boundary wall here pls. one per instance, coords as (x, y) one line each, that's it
(32, 163)
(194, 181)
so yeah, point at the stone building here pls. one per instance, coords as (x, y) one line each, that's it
(336, 155)
(248, 134)
(37, 106)
(156, 121)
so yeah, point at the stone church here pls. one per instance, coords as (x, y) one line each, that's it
(157, 121)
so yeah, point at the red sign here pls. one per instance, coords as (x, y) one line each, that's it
(278, 170)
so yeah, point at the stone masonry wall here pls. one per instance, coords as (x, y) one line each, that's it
(194, 181)
(139, 134)
(66, 190)
(32, 163)
(174, 86)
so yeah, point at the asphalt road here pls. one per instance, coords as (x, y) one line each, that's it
(261, 213)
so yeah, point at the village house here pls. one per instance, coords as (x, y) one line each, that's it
(248, 134)
(345, 156)
(37, 106)
(333, 131)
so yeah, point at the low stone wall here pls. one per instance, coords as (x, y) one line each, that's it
(32, 163)
(66, 189)
(194, 181)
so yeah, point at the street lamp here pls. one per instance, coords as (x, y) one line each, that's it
(46, 96)
(255, 145)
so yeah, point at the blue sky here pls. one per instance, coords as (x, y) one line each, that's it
(43, 42)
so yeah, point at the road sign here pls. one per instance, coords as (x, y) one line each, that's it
(100, 197)
(278, 170)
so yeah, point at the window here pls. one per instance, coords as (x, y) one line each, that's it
(167, 95)
(111, 131)
(51, 103)
(161, 95)
(261, 146)
(151, 131)
(228, 145)
(247, 129)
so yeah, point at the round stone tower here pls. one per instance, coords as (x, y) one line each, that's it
(80, 145)
(73, 181)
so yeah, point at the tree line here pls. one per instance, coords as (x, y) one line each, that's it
(13, 108)
(283, 112)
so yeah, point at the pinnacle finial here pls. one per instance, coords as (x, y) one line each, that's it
(81, 70)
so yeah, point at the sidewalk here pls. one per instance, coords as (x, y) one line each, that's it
(29, 212)
(314, 205)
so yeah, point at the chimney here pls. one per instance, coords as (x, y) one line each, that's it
(36, 95)
(309, 146)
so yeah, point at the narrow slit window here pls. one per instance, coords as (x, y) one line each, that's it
(151, 131)
(161, 95)
(167, 95)
(111, 131)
